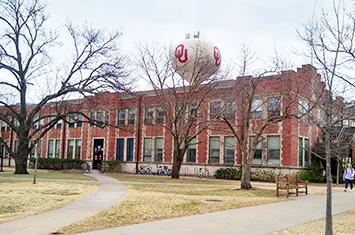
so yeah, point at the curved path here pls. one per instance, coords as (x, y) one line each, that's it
(109, 193)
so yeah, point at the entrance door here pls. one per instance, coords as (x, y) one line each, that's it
(98, 153)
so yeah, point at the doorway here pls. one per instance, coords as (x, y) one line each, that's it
(98, 153)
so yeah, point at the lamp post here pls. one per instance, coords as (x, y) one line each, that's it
(2, 158)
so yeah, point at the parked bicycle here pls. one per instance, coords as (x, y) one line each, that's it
(144, 169)
(202, 172)
(164, 170)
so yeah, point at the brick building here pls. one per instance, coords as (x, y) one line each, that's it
(134, 127)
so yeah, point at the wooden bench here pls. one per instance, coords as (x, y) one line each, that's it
(289, 184)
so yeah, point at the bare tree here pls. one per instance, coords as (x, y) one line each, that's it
(96, 65)
(183, 105)
(330, 39)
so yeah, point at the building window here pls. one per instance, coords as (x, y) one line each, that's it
(230, 110)
(148, 116)
(273, 150)
(131, 116)
(147, 156)
(303, 154)
(36, 150)
(345, 122)
(120, 149)
(258, 153)
(214, 150)
(59, 124)
(74, 149)
(215, 108)
(191, 151)
(130, 145)
(92, 119)
(160, 115)
(158, 149)
(57, 149)
(319, 114)
(77, 148)
(70, 150)
(75, 121)
(4, 126)
(107, 117)
(50, 148)
(192, 112)
(229, 150)
(121, 117)
(99, 118)
(6, 152)
(274, 106)
(304, 110)
(257, 108)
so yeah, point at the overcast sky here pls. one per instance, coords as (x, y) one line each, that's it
(261, 24)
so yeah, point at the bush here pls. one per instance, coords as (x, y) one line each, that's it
(313, 173)
(228, 173)
(115, 165)
(58, 163)
(260, 175)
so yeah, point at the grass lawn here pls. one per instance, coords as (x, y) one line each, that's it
(45, 174)
(21, 198)
(147, 202)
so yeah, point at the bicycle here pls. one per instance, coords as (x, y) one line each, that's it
(164, 170)
(143, 169)
(203, 172)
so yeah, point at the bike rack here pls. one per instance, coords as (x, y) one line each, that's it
(184, 172)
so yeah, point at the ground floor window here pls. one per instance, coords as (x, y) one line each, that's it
(273, 150)
(229, 150)
(74, 149)
(191, 151)
(257, 159)
(158, 149)
(214, 150)
(53, 148)
(36, 150)
(147, 152)
(303, 153)
(120, 150)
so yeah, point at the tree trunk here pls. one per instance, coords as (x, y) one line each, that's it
(245, 181)
(21, 164)
(328, 218)
(21, 157)
(176, 165)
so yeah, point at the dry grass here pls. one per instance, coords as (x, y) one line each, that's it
(22, 198)
(343, 224)
(146, 203)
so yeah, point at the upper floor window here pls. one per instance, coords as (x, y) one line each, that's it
(319, 114)
(274, 106)
(148, 116)
(215, 108)
(257, 108)
(160, 115)
(121, 117)
(131, 116)
(304, 110)
(192, 112)
(230, 110)
(99, 118)
(4, 126)
(38, 123)
(75, 120)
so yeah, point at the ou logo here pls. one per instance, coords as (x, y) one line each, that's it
(181, 53)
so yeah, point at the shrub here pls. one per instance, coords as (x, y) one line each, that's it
(228, 173)
(57, 163)
(313, 173)
(262, 175)
(115, 165)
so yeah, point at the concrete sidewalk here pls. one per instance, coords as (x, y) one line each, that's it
(262, 219)
(110, 192)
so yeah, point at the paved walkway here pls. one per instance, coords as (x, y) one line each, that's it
(109, 193)
(262, 219)
(250, 220)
